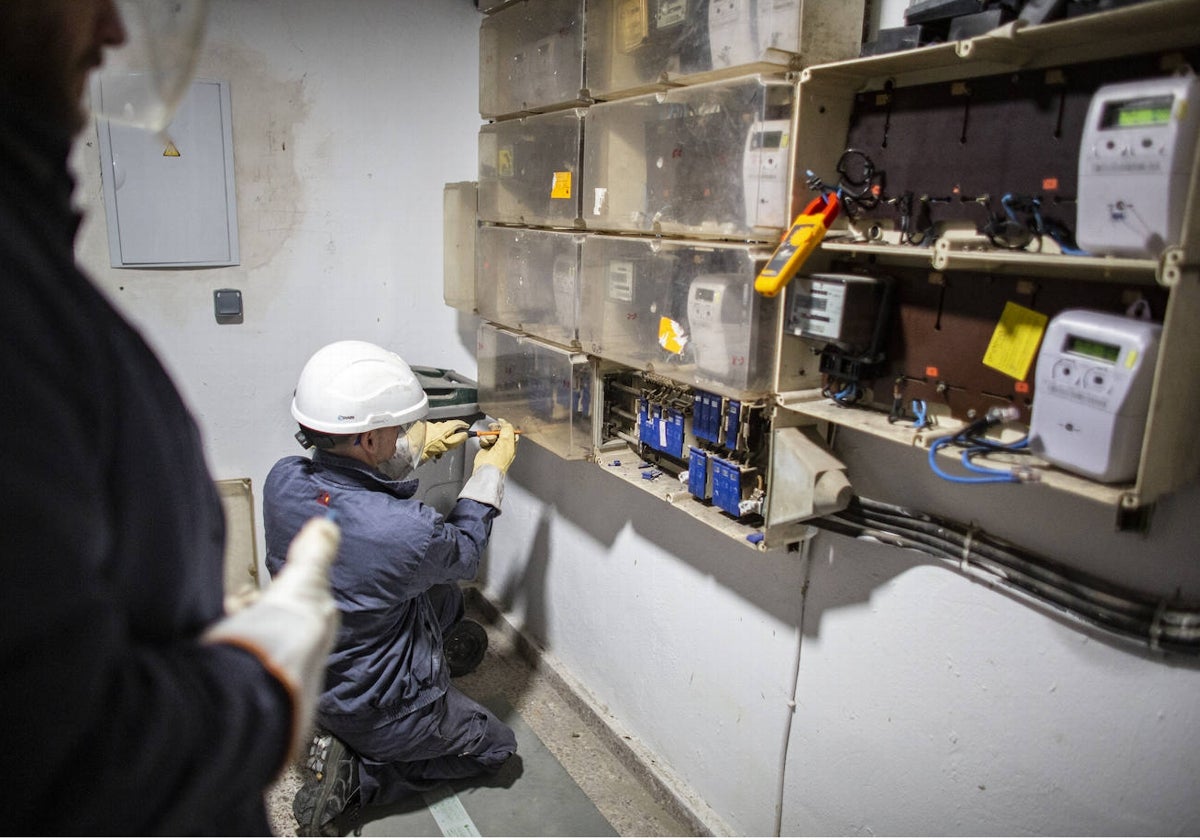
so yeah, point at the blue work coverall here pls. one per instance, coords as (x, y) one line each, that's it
(116, 718)
(387, 691)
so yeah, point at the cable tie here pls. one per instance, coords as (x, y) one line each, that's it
(965, 564)
(1156, 626)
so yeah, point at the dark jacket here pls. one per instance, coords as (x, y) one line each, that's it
(115, 718)
(387, 660)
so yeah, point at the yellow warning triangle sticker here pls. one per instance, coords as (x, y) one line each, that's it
(170, 151)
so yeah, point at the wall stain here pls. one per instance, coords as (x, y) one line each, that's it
(266, 112)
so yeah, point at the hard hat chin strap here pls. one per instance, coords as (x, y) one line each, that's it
(309, 438)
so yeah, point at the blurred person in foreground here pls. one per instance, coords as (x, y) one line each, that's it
(133, 704)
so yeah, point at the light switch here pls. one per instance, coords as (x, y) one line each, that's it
(227, 305)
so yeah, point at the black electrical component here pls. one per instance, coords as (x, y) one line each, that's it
(895, 39)
(932, 11)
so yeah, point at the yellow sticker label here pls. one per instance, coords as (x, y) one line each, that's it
(504, 162)
(171, 150)
(670, 335)
(561, 188)
(1015, 341)
(1131, 359)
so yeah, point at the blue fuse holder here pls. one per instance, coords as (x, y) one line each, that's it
(713, 415)
(699, 427)
(645, 423)
(698, 483)
(727, 486)
(706, 417)
(673, 427)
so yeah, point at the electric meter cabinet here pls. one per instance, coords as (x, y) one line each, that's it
(1094, 376)
(1135, 165)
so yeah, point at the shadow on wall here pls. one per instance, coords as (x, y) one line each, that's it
(602, 505)
(528, 588)
(1067, 528)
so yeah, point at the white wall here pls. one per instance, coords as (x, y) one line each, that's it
(924, 703)
(348, 118)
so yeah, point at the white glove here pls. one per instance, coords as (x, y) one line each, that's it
(291, 628)
(486, 484)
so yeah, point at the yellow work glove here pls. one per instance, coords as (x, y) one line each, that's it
(486, 484)
(290, 629)
(502, 450)
(440, 438)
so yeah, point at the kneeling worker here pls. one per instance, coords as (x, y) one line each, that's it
(393, 722)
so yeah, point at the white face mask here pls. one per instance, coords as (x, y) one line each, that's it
(409, 445)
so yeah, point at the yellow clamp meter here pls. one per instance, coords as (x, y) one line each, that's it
(801, 240)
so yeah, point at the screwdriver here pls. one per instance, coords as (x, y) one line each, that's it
(492, 433)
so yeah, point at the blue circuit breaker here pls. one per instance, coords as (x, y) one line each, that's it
(726, 485)
(706, 416)
(660, 427)
(645, 425)
(672, 433)
(699, 484)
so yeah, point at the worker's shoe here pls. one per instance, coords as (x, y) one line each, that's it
(330, 791)
(464, 646)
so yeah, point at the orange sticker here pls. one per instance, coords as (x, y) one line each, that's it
(931, 371)
(1049, 183)
(1021, 387)
(560, 187)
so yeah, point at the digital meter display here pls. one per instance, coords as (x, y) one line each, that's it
(810, 303)
(670, 13)
(1092, 349)
(1131, 113)
(707, 295)
(766, 140)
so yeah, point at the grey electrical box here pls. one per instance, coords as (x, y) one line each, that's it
(169, 198)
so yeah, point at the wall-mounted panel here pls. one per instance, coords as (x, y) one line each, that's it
(169, 198)
(637, 45)
(527, 279)
(543, 390)
(708, 160)
(686, 310)
(531, 57)
(529, 170)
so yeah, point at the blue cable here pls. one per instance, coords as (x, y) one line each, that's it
(920, 410)
(1001, 478)
(850, 393)
(971, 452)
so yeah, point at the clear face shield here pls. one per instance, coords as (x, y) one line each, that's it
(142, 81)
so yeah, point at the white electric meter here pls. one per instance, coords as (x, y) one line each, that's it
(1135, 164)
(1094, 375)
(719, 317)
(765, 173)
(731, 32)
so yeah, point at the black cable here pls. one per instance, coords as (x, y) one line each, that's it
(860, 185)
(1115, 609)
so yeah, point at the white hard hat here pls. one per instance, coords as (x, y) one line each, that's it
(353, 386)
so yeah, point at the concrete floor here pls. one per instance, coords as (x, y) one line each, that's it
(608, 768)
